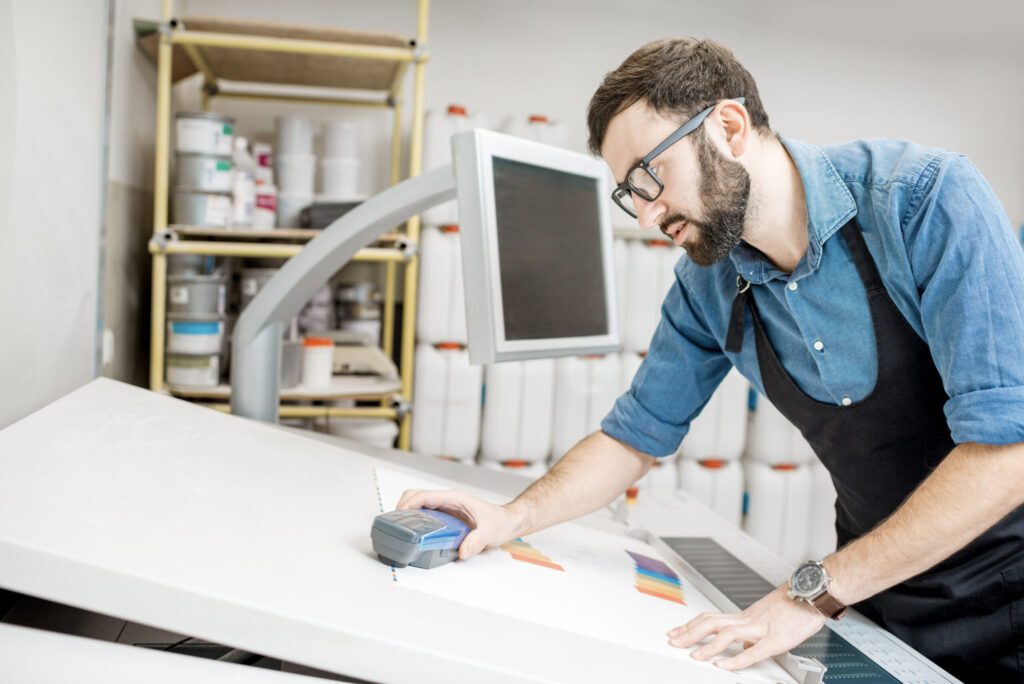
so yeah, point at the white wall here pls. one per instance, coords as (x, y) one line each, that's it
(53, 57)
(942, 73)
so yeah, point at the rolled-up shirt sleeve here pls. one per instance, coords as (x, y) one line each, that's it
(969, 269)
(683, 367)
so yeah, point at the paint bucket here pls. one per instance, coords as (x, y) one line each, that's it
(204, 133)
(265, 215)
(295, 173)
(294, 135)
(204, 172)
(188, 295)
(194, 207)
(188, 370)
(339, 179)
(195, 335)
(339, 140)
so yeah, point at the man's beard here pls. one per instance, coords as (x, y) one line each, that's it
(725, 192)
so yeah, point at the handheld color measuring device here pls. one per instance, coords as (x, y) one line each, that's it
(423, 538)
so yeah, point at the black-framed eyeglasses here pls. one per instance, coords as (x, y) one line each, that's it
(641, 179)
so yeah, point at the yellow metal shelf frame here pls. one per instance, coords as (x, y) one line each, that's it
(289, 55)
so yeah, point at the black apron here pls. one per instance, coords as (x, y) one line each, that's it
(967, 613)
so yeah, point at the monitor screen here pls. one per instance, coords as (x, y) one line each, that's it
(536, 246)
(549, 252)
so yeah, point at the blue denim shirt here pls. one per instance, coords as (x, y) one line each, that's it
(946, 253)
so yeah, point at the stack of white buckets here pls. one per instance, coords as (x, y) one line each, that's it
(526, 415)
(295, 165)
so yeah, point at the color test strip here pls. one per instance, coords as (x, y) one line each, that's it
(656, 578)
(522, 551)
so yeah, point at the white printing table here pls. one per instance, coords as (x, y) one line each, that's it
(140, 506)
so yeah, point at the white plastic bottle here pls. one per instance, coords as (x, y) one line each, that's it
(586, 388)
(518, 406)
(244, 185)
(774, 440)
(720, 431)
(438, 129)
(442, 301)
(779, 508)
(716, 483)
(446, 402)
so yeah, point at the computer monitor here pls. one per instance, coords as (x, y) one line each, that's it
(536, 249)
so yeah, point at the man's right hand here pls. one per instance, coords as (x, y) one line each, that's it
(493, 525)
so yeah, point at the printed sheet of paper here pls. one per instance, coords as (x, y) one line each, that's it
(570, 577)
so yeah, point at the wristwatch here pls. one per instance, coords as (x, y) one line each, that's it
(810, 582)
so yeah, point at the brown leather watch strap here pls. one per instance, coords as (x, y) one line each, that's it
(829, 606)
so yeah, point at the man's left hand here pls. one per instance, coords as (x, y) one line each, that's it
(771, 626)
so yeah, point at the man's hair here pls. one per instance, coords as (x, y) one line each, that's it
(678, 77)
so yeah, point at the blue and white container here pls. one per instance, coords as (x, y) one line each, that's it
(191, 336)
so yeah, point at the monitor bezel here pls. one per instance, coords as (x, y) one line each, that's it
(473, 152)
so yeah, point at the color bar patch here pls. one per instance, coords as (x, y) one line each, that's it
(655, 578)
(522, 551)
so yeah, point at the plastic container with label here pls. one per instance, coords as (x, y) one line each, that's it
(192, 336)
(720, 431)
(194, 207)
(446, 402)
(717, 484)
(196, 294)
(204, 133)
(265, 214)
(518, 406)
(204, 172)
(442, 301)
(188, 370)
(317, 361)
(586, 388)
(779, 508)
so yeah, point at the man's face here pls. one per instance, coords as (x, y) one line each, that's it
(705, 202)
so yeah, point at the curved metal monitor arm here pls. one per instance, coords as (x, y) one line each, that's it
(256, 346)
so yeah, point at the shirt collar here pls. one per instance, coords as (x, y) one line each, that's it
(829, 207)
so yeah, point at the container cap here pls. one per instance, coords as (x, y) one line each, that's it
(538, 118)
(457, 110)
(784, 466)
(515, 464)
(317, 342)
(713, 463)
(449, 345)
(450, 228)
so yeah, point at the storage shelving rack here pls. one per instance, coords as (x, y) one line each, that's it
(357, 69)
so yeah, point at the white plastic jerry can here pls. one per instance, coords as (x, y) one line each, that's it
(774, 440)
(518, 404)
(538, 127)
(650, 273)
(620, 254)
(442, 307)
(630, 365)
(663, 475)
(720, 431)
(586, 388)
(779, 508)
(716, 483)
(438, 129)
(446, 402)
(822, 535)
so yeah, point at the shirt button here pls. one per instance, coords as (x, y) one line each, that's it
(792, 286)
(847, 401)
(819, 345)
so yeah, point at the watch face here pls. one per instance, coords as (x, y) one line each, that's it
(808, 580)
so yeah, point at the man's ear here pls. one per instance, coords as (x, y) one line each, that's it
(734, 121)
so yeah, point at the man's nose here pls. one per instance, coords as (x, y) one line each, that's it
(648, 213)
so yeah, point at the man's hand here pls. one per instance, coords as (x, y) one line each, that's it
(493, 525)
(771, 626)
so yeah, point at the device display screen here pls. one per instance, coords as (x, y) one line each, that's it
(549, 247)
